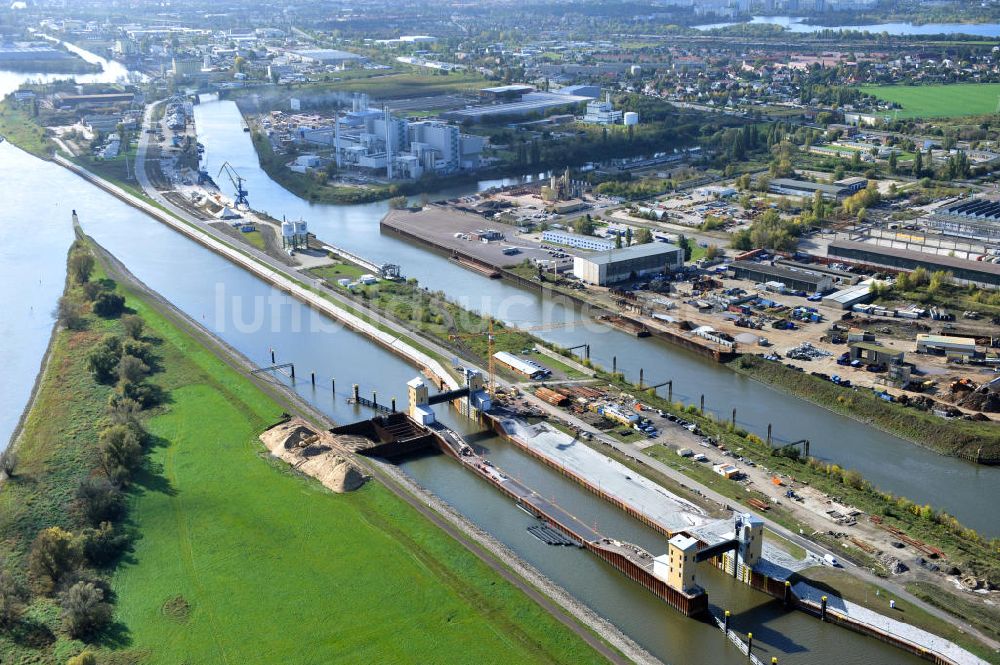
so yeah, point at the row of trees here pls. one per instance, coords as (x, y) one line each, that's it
(68, 560)
(770, 230)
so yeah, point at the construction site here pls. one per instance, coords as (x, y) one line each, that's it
(693, 536)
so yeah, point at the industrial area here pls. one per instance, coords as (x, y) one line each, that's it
(694, 314)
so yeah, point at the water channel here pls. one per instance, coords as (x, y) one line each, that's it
(926, 477)
(253, 317)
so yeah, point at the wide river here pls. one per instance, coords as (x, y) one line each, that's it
(798, 24)
(253, 317)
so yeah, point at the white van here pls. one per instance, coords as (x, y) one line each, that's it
(831, 560)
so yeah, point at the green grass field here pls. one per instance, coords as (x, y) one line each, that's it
(240, 560)
(237, 558)
(20, 129)
(940, 101)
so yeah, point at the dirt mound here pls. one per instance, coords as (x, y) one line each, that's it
(335, 472)
(290, 435)
(981, 400)
(314, 454)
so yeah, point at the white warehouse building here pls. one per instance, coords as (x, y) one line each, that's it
(616, 265)
(577, 240)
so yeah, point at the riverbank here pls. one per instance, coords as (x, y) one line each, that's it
(971, 440)
(205, 476)
(244, 257)
(19, 128)
(310, 298)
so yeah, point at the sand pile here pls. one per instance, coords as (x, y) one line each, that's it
(313, 454)
(287, 436)
(334, 471)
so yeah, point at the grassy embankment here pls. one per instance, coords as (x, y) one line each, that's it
(18, 127)
(938, 101)
(961, 438)
(237, 558)
(431, 314)
(120, 170)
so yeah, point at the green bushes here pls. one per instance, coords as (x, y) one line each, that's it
(84, 610)
(65, 530)
(81, 265)
(54, 554)
(108, 304)
(12, 596)
(98, 500)
(121, 451)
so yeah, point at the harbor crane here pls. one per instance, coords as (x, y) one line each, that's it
(491, 334)
(240, 198)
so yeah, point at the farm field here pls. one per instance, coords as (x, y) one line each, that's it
(241, 560)
(940, 101)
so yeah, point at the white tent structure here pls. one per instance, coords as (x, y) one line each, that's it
(228, 213)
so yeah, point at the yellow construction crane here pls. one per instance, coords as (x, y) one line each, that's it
(491, 333)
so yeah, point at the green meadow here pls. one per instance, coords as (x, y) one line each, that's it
(939, 101)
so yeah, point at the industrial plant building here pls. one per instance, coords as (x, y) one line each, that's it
(978, 219)
(849, 297)
(975, 272)
(332, 57)
(512, 101)
(794, 279)
(838, 276)
(837, 190)
(871, 353)
(372, 139)
(964, 347)
(527, 368)
(616, 265)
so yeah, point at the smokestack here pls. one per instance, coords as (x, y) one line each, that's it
(388, 143)
(336, 138)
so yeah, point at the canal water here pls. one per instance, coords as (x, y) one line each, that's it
(253, 317)
(891, 463)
